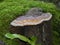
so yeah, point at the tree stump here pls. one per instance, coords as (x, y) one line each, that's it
(34, 23)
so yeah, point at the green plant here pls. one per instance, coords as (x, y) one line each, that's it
(10, 9)
(31, 41)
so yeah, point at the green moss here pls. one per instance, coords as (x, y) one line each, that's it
(10, 9)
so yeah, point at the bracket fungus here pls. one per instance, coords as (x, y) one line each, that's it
(31, 20)
(32, 24)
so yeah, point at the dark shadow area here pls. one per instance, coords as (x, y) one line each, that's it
(2, 43)
(1, 0)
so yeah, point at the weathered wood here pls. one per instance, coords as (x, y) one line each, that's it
(47, 33)
(17, 30)
(37, 24)
(35, 31)
(44, 38)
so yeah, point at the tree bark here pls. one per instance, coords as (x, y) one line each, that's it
(42, 31)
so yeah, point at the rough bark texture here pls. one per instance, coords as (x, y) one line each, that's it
(41, 31)
(47, 33)
(34, 31)
(18, 30)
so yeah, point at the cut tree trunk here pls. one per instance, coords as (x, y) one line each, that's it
(37, 25)
(42, 31)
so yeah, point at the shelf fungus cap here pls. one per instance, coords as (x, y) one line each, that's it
(31, 20)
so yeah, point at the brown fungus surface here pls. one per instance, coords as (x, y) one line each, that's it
(31, 20)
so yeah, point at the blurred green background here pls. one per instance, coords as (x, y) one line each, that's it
(10, 9)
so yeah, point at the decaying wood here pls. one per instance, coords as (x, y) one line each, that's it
(47, 33)
(34, 31)
(17, 30)
(41, 28)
